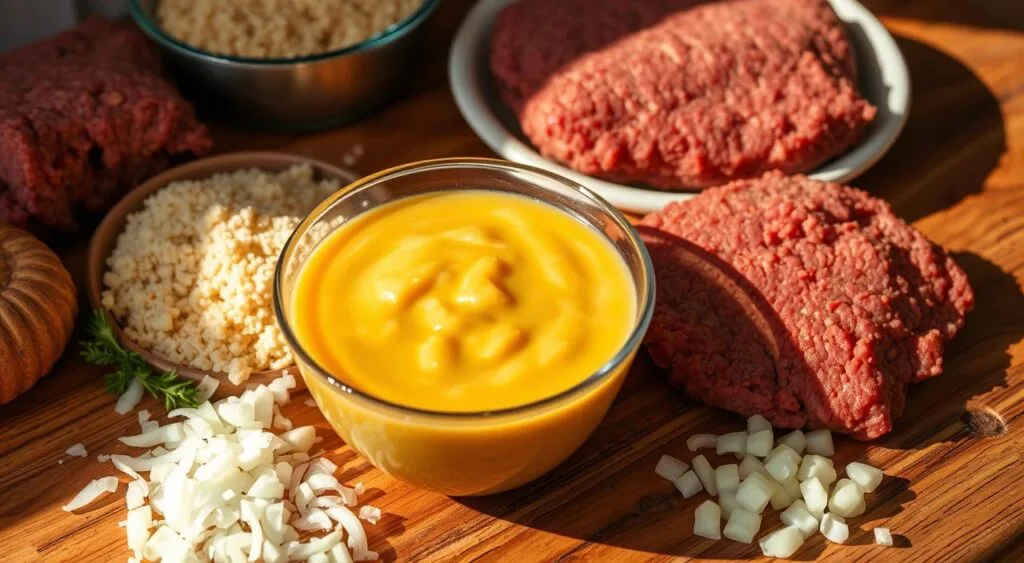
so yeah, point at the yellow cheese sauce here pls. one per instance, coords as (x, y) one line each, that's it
(463, 301)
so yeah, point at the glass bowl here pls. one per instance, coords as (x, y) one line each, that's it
(465, 453)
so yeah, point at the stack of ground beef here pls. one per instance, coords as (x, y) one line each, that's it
(84, 117)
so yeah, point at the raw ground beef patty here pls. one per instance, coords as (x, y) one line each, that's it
(85, 116)
(680, 93)
(809, 303)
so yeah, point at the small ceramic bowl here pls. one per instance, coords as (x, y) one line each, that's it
(466, 453)
(105, 238)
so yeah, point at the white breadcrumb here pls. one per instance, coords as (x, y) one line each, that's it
(279, 28)
(191, 277)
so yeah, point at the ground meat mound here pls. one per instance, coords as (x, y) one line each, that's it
(806, 302)
(680, 93)
(85, 116)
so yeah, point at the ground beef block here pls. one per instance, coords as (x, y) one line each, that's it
(680, 93)
(806, 302)
(85, 116)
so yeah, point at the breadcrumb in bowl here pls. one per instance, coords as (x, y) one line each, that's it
(184, 288)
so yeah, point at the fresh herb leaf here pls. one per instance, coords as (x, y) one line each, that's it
(104, 349)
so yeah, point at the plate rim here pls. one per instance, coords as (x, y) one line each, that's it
(466, 83)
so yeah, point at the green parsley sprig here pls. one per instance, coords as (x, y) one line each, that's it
(104, 349)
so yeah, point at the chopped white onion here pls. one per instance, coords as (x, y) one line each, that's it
(795, 440)
(76, 450)
(834, 528)
(369, 513)
(707, 521)
(781, 465)
(847, 496)
(94, 490)
(751, 464)
(815, 495)
(699, 441)
(782, 543)
(742, 526)
(758, 423)
(727, 477)
(688, 484)
(798, 516)
(866, 476)
(754, 493)
(706, 474)
(670, 468)
(135, 497)
(760, 443)
(206, 387)
(174, 432)
(732, 443)
(299, 439)
(727, 502)
(137, 527)
(781, 497)
(130, 398)
(819, 442)
(817, 467)
(883, 536)
(280, 387)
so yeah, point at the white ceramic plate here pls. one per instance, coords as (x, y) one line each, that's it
(881, 71)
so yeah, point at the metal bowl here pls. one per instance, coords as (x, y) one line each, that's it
(297, 94)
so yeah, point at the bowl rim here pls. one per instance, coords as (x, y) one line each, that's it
(106, 235)
(469, 80)
(388, 35)
(645, 309)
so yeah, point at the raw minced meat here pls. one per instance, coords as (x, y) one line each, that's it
(84, 117)
(680, 93)
(191, 277)
(806, 302)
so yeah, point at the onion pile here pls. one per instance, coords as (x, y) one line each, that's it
(793, 474)
(219, 485)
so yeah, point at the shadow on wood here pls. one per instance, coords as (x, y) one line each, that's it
(954, 137)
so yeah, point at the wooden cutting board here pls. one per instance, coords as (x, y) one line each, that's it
(954, 460)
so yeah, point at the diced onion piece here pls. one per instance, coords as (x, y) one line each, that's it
(299, 439)
(759, 443)
(795, 440)
(302, 551)
(727, 502)
(143, 419)
(280, 387)
(670, 468)
(262, 401)
(94, 490)
(174, 432)
(727, 477)
(859, 509)
(798, 516)
(314, 519)
(356, 535)
(742, 526)
(76, 450)
(815, 495)
(369, 513)
(817, 467)
(206, 388)
(266, 486)
(782, 543)
(846, 497)
(137, 527)
(883, 536)
(834, 528)
(866, 476)
(750, 465)
(339, 554)
(166, 545)
(707, 521)
(238, 414)
(130, 398)
(733, 442)
(706, 474)
(781, 497)
(781, 465)
(135, 496)
(688, 484)
(699, 441)
(757, 423)
(819, 442)
(754, 493)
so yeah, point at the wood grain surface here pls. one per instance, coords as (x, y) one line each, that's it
(954, 461)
